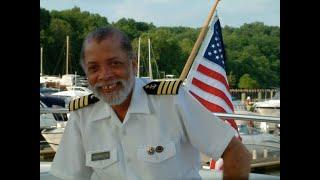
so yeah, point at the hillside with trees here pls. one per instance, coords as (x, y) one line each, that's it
(252, 50)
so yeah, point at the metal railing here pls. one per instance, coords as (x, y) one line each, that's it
(53, 110)
(244, 117)
(249, 117)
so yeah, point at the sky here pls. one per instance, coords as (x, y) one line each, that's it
(189, 13)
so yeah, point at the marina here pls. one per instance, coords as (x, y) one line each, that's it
(235, 77)
(258, 130)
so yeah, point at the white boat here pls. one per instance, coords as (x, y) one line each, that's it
(46, 120)
(79, 88)
(260, 145)
(70, 80)
(50, 79)
(42, 82)
(71, 94)
(269, 107)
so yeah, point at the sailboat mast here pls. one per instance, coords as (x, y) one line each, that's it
(150, 69)
(75, 78)
(67, 55)
(41, 63)
(138, 73)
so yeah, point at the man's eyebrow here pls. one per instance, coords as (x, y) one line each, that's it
(92, 61)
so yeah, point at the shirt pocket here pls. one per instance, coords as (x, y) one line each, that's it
(168, 151)
(101, 158)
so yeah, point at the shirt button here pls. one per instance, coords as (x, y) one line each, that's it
(150, 150)
(159, 149)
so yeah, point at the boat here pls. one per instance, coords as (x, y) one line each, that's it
(256, 139)
(269, 107)
(42, 82)
(260, 145)
(53, 135)
(50, 81)
(50, 122)
(48, 91)
(46, 120)
(79, 88)
(54, 102)
(71, 94)
(69, 80)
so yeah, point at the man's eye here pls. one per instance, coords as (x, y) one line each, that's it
(116, 63)
(92, 69)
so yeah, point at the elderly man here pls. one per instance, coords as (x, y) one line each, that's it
(130, 129)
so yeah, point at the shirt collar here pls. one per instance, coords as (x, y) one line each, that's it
(139, 101)
(100, 111)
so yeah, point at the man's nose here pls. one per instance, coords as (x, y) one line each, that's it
(106, 73)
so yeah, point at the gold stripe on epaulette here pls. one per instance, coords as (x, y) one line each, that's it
(81, 102)
(174, 91)
(164, 89)
(85, 101)
(71, 105)
(160, 87)
(76, 103)
(170, 87)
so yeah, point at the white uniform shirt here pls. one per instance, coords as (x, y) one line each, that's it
(96, 145)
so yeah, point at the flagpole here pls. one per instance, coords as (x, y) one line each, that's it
(196, 46)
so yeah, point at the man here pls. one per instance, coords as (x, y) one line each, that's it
(124, 131)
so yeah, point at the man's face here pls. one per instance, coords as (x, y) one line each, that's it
(109, 70)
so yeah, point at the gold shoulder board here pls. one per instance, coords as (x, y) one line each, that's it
(163, 87)
(82, 102)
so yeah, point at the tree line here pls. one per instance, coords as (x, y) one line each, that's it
(252, 50)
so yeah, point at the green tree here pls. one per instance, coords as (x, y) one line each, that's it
(132, 28)
(232, 80)
(55, 49)
(44, 19)
(252, 48)
(247, 82)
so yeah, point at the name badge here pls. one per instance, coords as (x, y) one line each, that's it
(100, 156)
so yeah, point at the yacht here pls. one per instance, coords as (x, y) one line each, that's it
(269, 107)
(259, 144)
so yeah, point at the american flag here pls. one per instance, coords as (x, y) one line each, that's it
(207, 79)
